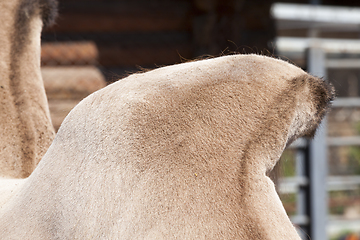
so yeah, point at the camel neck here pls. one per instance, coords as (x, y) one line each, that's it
(26, 129)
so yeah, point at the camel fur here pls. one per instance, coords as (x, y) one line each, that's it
(180, 152)
(25, 125)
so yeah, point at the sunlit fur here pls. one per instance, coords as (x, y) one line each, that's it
(179, 152)
(26, 131)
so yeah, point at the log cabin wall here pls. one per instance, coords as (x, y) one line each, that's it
(125, 34)
(151, 33)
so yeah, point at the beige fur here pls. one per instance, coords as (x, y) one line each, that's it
(179, 152)
(25, 126)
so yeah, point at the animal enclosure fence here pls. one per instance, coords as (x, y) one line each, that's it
(317, 181)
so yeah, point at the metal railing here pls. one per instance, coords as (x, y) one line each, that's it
(311, 182)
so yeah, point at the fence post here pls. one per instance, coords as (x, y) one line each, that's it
(318, 203)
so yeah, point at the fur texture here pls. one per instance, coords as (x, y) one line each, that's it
(27, 9)
(25, 126)
(179, 152)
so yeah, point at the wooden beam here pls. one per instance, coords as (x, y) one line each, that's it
(115, 16)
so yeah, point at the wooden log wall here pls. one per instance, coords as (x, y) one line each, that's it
(127, 33)
(150, 33)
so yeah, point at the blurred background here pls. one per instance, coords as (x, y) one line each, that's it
(97, 42)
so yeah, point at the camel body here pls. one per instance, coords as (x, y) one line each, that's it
(180, 152)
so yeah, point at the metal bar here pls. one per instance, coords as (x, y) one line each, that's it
(318, 159)
(300, 179)
(334, 183)
(300, 220)
(340, 183)
(292, 184)
(316, 14)
(337, 225)
(299, 143)
(343, 141)
(302, 214)
(298, 44)
(343, 63)
(346, 102)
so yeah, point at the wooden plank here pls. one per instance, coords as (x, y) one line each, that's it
(126, 6)
(143, 55)
(69, 53)
(92, 16)
(71, 82)
(117, 23)
(120, 50)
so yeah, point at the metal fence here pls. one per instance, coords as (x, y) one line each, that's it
(312, 182)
